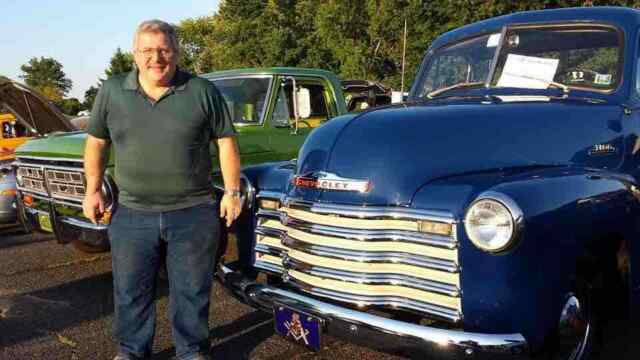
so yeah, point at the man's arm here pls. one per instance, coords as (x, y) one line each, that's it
(230, 205)
(94, 162)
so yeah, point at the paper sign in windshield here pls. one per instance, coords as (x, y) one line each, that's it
(528, 72)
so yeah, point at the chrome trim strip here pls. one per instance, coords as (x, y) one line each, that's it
(373, 212)
(61, 168)
(365, 301)
(62, 197)
(365, 235)
(266, 231)
(268, 267)
(435, 342)
(372, 278)
(58, 202)
(371, 257)
(82, 224)
(20, 157)
(29, 191)
(266, 249)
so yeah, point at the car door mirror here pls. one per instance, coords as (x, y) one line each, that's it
(303, 103)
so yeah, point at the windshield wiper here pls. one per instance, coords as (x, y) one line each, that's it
(563, 87)
(461, 85)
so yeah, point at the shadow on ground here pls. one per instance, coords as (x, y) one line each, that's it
(235, 340)
(15, 237)
(26, 316)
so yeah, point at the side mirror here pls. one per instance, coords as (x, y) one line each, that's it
(303, 102)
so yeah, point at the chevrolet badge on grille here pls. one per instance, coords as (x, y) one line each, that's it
(328, 181)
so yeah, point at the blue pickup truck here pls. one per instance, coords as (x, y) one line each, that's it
(492, 215)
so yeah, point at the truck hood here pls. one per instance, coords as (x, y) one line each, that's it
(32, 109)
(62, 145)
(400, 149)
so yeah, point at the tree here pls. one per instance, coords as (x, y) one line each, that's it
(90, 97)
(195, 36)
(46, 75)
(120, 62)
(69, 106)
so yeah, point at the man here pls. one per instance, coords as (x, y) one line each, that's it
(160, 121)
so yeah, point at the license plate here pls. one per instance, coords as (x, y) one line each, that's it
(45, 222)
(297, 326)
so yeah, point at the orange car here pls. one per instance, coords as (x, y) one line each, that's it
(12, 135)
(24, 114)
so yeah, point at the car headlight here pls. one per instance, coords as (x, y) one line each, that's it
(493, 222)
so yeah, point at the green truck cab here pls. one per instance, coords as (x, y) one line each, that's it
(271, 119)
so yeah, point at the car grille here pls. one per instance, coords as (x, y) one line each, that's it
(65, 183)
(364, 256)
(58, 182)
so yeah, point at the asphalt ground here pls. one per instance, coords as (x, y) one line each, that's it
(57, 303)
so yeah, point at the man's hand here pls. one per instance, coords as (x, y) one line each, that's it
(94, 153)
(230, 208)
(93, 206)
(230, 205)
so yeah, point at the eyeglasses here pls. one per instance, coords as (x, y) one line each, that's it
(149, 52)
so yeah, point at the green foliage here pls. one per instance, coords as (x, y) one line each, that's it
(90, 97)
(120, 62)
(355, 39)
(46, 76)
(69, 106)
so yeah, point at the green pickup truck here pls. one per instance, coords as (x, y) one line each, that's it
(272, 121)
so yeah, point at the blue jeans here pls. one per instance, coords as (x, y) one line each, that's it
(191, 237)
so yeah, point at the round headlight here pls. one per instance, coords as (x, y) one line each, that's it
(490, 225)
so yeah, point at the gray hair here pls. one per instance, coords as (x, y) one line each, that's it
(155, 25)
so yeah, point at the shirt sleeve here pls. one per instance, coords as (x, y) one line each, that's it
(221, 123)
(98, 121)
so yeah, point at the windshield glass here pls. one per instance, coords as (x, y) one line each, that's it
(245, 97)
(585, 57)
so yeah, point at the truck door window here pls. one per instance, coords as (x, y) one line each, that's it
(283, 114)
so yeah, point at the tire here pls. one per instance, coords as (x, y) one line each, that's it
(89, 248)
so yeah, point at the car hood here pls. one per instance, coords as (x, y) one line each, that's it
(68, 145)
(399, 149)
(32, 109)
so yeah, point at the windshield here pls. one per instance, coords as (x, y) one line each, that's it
(585, 57)
(245, 97)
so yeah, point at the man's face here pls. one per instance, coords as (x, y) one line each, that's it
(155, 58)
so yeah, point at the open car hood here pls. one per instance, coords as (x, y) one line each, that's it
(31, 108)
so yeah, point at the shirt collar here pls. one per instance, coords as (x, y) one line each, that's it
(178, 83)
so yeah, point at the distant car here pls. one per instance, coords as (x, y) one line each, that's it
(8, 212)
(26, 115)
(363, 94)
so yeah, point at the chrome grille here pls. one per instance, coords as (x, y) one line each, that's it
(65, 183)
(364, 256)
(31, 179)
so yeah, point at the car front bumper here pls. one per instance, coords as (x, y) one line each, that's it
(66, 228)
(377, 331)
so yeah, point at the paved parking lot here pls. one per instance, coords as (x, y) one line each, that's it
(56, 303)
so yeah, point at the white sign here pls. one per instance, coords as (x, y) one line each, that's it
(528, 72)
(493, 40)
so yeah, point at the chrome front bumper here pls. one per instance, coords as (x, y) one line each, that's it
(377, 331)
(67, 229)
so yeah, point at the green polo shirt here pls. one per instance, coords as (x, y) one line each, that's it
(162, 149)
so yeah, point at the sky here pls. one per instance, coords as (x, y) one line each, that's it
(82, 35)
